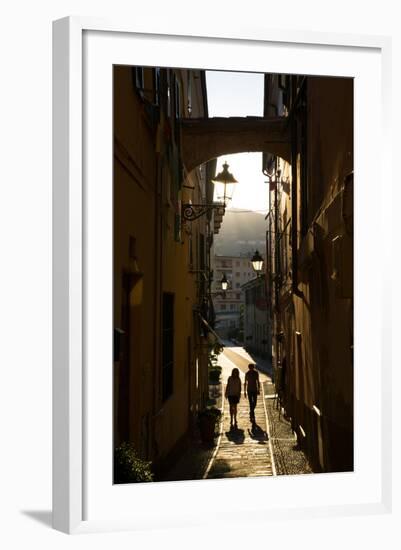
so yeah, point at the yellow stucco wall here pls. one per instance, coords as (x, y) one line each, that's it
(147, 247)
(317, 323)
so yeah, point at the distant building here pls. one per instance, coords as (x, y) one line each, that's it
(229, 306)
(257, 332)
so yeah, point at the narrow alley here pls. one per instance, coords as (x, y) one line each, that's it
(244, 451)
(232, 244)
(268, 448)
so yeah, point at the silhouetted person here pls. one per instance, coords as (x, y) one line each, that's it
(233, 394)
(252, 387)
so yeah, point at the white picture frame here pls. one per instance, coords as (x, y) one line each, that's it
(80, 45)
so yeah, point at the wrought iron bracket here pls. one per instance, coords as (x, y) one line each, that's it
(191, 212)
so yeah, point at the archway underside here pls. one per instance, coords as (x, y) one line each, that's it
(204, 139)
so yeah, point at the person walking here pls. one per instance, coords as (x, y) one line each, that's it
(252, 388)
(233, 394)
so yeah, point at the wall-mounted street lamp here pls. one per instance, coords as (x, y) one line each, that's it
(257, 262)
(228, 181)
(191, 212)
(224, 282)
(224, 287)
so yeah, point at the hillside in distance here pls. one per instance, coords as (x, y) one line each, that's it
(241, 233)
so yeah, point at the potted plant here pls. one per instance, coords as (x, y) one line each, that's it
(207, 423)
(214, 374)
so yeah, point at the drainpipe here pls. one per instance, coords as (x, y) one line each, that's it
(276, 241)
(268, 271)
(296, 96)
(294, 206)
(277, 315)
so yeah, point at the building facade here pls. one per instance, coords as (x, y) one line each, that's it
(229, 306)
(309, 266)
(257, 331)
(161, 262)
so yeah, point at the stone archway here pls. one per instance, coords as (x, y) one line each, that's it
(203, 139)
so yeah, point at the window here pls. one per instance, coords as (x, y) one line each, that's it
(238, 296)
(223, 307)
(167, 345)
(232, 306)
(201, 262)
(165, 81)
(201, 252)
(138, 79)
(282, 81)
(303, 167)
(189, 94)
(237, 274)
(237, 264)
(156, 86)
(237, 285)
(177, 96)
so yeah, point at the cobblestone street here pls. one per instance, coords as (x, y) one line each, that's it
(268, 448)
(243, 451)
(288, 458)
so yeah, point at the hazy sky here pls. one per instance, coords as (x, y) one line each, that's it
(240, 94)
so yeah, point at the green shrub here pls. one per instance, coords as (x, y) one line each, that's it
(218, 348)
(216, 369)
(128, 467)
(214, 377)
(214, 374)
(210, 412)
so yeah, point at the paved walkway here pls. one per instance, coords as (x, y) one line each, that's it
(263, 364)
(244, 451)
(289, 458)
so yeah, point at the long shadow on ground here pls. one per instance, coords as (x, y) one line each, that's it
(258, 434)
(236, 435)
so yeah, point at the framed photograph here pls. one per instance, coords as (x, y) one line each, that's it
(218, 321)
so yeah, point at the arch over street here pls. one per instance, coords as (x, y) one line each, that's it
(203, 139)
